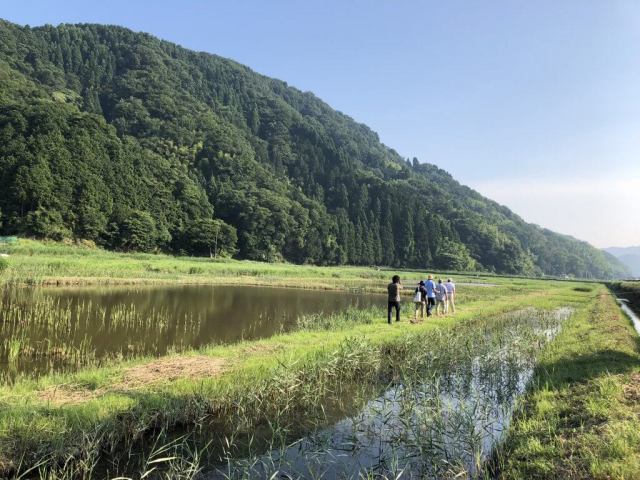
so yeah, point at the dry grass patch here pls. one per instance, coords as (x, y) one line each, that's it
(137, 377)
(169, 369)
(259, 349)
(632, 390)
(61, 395)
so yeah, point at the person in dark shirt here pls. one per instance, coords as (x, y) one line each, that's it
(394, 297)
(419, 301)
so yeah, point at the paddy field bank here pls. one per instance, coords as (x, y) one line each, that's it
(559, 359)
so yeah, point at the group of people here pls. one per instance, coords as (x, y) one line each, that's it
(438, 296)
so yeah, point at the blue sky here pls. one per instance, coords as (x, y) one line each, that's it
(534, 104)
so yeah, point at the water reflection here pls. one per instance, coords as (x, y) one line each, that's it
(45, 330)
(624, 305)
(442, 420)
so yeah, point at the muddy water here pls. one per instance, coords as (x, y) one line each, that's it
(49, 330)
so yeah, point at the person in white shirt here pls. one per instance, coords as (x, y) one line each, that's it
(451, 290)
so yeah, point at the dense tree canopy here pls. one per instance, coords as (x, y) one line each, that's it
(139, 144)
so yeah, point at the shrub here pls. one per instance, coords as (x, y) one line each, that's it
(583, 289)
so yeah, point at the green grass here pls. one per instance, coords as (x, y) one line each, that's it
(53, 263)
(576, 421)
(29, 423)
(579, 419)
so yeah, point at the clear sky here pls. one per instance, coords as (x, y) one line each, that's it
(534, 104)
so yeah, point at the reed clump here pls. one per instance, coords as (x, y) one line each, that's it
(42, 334)
(433, 409)
(438, 412)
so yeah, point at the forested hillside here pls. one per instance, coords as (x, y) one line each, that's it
(138, 144)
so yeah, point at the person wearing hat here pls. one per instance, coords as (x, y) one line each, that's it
(430, 286)
(419, 300)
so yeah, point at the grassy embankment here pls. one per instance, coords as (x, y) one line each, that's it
(49, 416)
(580, 417)
(50, 263)
(582, 391)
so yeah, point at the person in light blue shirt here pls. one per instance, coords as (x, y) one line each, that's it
(430, 286)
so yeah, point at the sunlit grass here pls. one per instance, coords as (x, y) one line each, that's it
(580, 418)
(576, 419)
(36, 262)
(29, 423)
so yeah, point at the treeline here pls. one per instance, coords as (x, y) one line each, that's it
(139, 144)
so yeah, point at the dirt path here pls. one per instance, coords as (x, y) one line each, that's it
(140, 376)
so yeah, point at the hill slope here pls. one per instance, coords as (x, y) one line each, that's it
(137, 144)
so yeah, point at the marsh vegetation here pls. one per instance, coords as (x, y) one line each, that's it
(51, 330)
(440, 412)
(333, 392)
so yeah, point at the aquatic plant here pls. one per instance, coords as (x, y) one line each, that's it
(323, 376)
(441, 415)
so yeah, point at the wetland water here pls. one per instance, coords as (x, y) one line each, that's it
(441, 418)
(624, 304)
(45, 330)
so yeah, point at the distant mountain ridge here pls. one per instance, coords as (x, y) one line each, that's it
(139, 144)
(623, 250)
(630, 256)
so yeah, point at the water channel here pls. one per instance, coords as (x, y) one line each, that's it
(624, 305)
(443, 421)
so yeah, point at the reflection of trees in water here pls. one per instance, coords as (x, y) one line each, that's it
(125, 322)
(441, 415)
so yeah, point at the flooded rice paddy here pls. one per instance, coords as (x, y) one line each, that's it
(441, 416)
(52, 330)
(434, 404)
